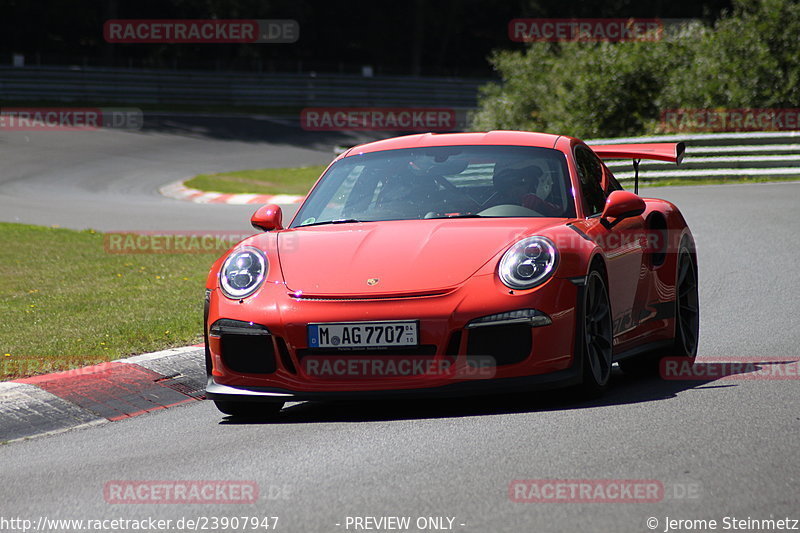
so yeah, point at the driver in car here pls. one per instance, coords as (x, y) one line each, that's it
(519, 187)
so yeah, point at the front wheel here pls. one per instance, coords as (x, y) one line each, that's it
(596, 335)
(253, 410)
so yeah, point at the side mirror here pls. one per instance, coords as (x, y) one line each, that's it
(623, 204)
(267, 218)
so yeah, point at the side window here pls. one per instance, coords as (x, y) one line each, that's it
(590, 172)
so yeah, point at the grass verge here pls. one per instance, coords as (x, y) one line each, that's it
(65, 302)
(261, 181)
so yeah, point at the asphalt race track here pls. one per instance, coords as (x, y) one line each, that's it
(720, 448)
(108, 180)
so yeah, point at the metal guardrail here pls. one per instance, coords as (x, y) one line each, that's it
(236, 89)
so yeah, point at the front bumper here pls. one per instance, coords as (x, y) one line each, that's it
(277, 370)
(554, 380)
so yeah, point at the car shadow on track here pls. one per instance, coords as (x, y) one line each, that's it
(623, 390)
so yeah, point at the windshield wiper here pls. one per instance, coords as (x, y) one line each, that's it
(338, 221)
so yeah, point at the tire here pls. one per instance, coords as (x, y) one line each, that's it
(253, 410)
(595, 336)
(687, 321)
(687, 308)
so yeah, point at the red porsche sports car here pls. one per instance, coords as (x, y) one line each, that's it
(453, 264)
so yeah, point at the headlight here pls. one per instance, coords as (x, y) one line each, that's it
(528, 263)
(243, 272)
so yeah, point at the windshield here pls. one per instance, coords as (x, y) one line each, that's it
(442, 182)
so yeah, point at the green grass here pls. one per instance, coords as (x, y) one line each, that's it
(66, 302)
(262, 181)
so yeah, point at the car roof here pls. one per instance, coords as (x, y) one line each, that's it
(490, 138)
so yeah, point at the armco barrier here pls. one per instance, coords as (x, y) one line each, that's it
(126, 86)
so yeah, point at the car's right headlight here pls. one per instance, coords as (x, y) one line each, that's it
(530, 262)
(243, 272)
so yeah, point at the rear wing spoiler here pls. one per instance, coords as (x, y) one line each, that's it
(672, 152)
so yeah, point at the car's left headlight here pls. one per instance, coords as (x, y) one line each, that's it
(530, 262)
(243, 272)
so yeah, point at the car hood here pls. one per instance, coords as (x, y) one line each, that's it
(395, 257)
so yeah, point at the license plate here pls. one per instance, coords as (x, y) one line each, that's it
(363, 334)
